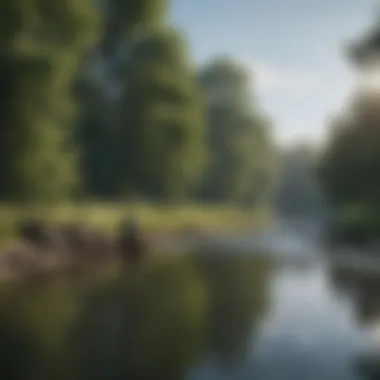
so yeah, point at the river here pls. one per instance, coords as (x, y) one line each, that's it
(199, 315)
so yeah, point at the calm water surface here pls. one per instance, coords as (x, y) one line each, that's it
(191, 317)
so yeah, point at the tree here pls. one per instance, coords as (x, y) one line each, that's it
(100, 85)
(161, 143)
(349, 168)
(122, 18)
(95, 129)
(41, 47)
(238, 136)
(351, 162)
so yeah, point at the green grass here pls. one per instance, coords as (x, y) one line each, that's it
(152, 217)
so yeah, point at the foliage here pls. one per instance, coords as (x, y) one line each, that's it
(99, 86)
(102, 100)
(352, 159)
(161, 133)
(124, 18)
(238, 136)
(41, 47)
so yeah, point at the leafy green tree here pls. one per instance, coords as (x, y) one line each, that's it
(161, 133)
(41, 46)
(351, 161)
(95, 129)
(350, 164)
(122, 18)
(239, 136)
(102, 88)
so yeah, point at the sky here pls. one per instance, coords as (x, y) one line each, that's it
(294, 49)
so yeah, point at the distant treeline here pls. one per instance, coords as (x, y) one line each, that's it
(298, 191)
(102, 99)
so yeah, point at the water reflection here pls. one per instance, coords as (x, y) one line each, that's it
(146, 325)
(237, 295)
(154, 323)
(362, 288)
(190, 317)
(34, 324)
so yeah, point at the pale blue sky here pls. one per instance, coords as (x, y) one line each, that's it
(294, 46)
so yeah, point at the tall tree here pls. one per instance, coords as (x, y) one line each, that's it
(41, 46)
(238, 136)
(161, 140)
(351, 162)
(101, 84)
(352, 158)
(95, 128)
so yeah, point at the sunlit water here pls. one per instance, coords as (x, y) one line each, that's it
(190, 317)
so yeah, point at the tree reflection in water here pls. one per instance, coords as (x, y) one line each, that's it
(362, 288)
(155, 319)
(237, 298)
(173, 313)
(35, 320)
(154, 323)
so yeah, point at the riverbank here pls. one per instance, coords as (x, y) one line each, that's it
(172, 228)
(154, 218)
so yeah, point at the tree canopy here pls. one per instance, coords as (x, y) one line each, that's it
(41, 47)
(103, 99)
(239, 136)
(162, 123)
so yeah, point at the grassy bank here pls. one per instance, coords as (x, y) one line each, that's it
(155, 218)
